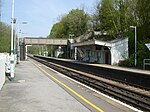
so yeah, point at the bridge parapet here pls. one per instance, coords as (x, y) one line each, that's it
(44, 41)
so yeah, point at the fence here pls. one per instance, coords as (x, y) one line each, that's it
(146, 62)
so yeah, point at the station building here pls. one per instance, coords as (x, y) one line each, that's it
(88, 49)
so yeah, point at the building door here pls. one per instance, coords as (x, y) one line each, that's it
(107, 57)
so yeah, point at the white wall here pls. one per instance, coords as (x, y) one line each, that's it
(2, 69)
(119, 51)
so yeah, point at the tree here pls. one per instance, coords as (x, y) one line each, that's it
(143, 12)
(76, 22)
(105, 17)
(114, 16)
(143, 15)
(58, 30)
(5, 32)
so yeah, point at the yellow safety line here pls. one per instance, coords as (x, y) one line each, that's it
(71, 90)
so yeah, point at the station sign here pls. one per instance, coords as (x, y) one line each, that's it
(148, 46)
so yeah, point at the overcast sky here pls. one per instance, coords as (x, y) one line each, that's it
(40, 15)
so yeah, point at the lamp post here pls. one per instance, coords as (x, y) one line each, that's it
(135, 29)
(19, 32)
(12, 27)
(71, 41)
(12, 44)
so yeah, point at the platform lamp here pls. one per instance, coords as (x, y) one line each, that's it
(135, 34)
(19, 32)
(12, 66)
(71, 41)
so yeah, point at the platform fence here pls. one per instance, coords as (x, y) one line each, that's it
(146, 62)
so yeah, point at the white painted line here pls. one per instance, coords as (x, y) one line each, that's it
(126, 105)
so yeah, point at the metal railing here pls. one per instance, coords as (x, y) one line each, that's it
(146, 62)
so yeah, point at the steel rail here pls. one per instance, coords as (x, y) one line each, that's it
(137, 79)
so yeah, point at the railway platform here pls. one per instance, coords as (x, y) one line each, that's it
(37, 88)
(32, 91)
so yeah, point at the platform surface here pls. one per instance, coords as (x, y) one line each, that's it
(32, 91)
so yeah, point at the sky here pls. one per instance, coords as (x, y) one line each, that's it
(40, 15)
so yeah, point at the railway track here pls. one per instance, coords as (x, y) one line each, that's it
(106, 86)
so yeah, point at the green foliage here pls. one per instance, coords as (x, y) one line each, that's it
(143, 52)
(128, 62)
(114, 16)
(77, 22)
(143, 26)
(57, 31)
(108, 17)
(34, 49)
(5, 34)
(143, 12)
(73, 23)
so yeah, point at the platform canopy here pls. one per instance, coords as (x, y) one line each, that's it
(92, 42)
